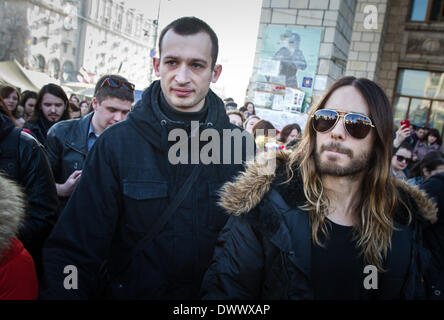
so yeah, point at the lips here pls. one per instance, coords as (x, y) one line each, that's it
(182, 92)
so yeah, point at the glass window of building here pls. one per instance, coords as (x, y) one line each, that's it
(419, 97)
(427, 10)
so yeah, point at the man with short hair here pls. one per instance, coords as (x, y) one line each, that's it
(331, 222)
(149, 222)
(69, 141)
(231, 106)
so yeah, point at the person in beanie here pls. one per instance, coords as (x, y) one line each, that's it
(143, 220)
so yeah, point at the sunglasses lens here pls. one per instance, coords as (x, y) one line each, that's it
(358, 126)
(324, 120)
(129, 86)
(402, 159)
(113, 83)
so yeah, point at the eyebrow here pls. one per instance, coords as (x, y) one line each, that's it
(191, 60)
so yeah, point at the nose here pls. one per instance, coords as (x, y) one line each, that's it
(182, 74)
(53, 109)
(118, 116)
(338, 132)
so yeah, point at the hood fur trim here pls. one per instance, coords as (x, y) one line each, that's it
(12, 211)
(248, 189)
(426, 207)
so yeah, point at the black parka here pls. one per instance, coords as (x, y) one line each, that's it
(127, 182)
(264, 251)
(24, 160)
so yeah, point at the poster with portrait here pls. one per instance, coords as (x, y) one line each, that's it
(289, 57)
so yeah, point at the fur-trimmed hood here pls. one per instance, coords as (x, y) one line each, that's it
(12, 211)
(247, 190)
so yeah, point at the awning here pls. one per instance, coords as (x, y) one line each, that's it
(13, 73)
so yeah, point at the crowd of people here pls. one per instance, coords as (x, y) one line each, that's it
(91, 185)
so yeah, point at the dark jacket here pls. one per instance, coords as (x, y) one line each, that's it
(39, 129)
(24, 160)
(127, 182)
(434, 187)
(265, 253)
(67, 146)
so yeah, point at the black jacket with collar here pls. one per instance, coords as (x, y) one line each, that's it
(23, 159)
(39, 129)
(67, 147)
(264, 251)
(127, 182)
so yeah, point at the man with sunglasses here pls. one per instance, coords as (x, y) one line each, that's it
(331, 222)
(139, 225)
(69, 141)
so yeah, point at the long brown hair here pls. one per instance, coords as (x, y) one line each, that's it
(55, 90)
(4, 109)
(379, 195)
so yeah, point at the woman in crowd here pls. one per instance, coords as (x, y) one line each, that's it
(236, 117)
(401, 159)
(250, 108)
(244, 111)
(264, 134)
(434, 140)
(28, 101)
(290, 132)
(11, 97)
(250, 122)
(74, 111)
(85, 108)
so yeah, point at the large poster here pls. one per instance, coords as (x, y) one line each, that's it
(289, 61)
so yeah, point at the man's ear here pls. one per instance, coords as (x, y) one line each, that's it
(95, 103)
(217, 70)
(156, 64)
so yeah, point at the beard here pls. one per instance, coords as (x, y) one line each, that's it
(357, 163)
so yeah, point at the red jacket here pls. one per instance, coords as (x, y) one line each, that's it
(18, 279)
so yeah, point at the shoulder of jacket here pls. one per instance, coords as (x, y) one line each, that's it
(425, 207)
(62, 127)
(248, 189)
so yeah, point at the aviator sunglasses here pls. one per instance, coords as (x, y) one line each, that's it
(114, 83)
(357, 125)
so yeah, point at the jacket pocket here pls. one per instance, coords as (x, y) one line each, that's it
(217, 215)
(142, 190)
(144, 202)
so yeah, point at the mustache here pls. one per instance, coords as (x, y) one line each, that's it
(336, 146)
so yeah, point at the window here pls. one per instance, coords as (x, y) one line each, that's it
(419, 97)
(427, 10)
(54, 69)
(41, 63)
(68, 71)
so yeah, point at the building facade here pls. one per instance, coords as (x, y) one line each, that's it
(397, 43)
(80, 40)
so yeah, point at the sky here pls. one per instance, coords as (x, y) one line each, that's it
(236, 23)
